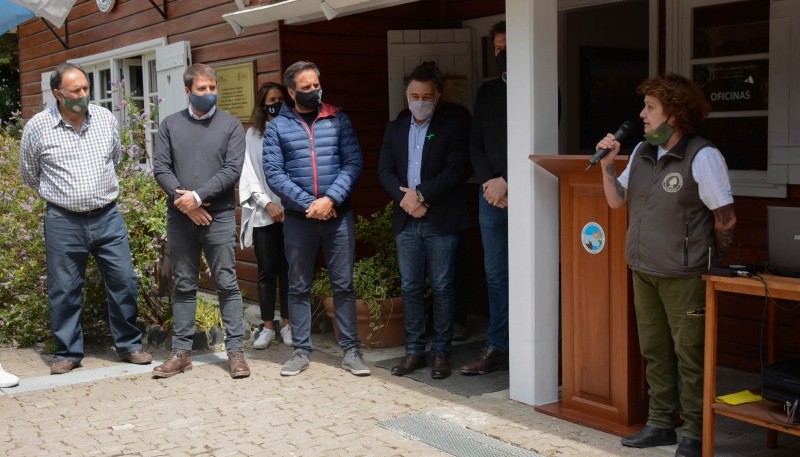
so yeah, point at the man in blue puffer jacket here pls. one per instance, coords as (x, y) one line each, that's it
(312, 161)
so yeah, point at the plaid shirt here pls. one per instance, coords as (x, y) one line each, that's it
(74, 170)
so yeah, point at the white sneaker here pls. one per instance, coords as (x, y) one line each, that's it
(286, 334)
(266, 336)
(7, 379)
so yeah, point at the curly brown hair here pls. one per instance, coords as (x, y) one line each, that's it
(681, 99)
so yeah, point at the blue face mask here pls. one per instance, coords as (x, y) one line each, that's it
(203, 103)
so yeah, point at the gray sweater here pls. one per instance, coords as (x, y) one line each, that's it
(204, 156)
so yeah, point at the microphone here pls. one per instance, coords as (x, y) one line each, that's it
(622, 132)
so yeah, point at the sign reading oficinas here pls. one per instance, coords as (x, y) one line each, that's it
(734, 86)
(235, 90)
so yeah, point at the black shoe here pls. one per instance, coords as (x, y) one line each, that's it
(650, 436)
(689, 447)
(408, 364)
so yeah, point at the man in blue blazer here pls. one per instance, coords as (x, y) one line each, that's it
(422, 166)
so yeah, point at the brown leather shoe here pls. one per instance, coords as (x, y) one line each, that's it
(441, 366)
(491, 359)
(237, 365)
(177, 362)
(63, 366)
(408, 364)
(138, 357)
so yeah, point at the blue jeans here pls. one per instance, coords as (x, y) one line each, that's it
(494, 234)
(418, 245)
(216, 241)
(69, 239)
(303, 238)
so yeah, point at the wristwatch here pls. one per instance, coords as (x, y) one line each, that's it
(420, 198)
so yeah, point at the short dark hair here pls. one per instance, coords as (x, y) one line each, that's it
(294, 69)
(427, 72)
(198, 69)
(499, 27)
(259, 117)
(58, 74)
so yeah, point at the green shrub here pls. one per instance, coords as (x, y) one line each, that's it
(377, 276)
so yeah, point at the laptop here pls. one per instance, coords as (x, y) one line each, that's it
(783, 231)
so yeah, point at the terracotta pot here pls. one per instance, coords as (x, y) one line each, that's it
(391, 333)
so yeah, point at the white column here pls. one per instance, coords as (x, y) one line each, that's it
(533, 200)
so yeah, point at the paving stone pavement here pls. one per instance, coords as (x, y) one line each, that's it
(323, 411)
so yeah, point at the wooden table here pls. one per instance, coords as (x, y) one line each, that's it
(779, 287)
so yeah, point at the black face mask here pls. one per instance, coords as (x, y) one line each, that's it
(500, 59)
(310, 100)
(273, 109)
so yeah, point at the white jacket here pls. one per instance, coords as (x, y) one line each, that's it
(254, 194)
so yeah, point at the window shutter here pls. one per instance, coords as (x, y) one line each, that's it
(171, 61)
(784, 92)
(48, 99)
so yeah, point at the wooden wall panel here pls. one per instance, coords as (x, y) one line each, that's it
(740, 316)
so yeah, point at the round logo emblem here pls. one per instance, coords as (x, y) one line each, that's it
(593, 238)
(105, 5)
(672, 182)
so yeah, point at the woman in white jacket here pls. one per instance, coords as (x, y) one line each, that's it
(262, 219)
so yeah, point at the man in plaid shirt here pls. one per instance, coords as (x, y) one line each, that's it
(68, 154)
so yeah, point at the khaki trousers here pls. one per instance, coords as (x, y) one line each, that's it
(671, 341)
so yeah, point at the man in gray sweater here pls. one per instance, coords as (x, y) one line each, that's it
(198, 160)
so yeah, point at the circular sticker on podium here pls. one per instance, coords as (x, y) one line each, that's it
(593, 238)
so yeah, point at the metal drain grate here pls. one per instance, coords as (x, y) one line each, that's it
(452, 438)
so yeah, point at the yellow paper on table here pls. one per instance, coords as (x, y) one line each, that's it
(738, 398)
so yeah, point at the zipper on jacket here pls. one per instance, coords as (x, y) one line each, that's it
(310, 132)
(686, 245)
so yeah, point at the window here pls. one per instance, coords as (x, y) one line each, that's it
(724, 46)
(151, 71)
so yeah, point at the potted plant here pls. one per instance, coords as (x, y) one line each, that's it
(376, 279)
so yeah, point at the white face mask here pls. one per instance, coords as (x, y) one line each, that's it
(421, 109)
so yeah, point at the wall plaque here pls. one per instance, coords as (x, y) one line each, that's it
(235, 89)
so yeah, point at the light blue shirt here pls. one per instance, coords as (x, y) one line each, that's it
(416, 142)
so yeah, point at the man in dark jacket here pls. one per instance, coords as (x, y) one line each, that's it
(312, 161)
(422, 166)
(488, 144)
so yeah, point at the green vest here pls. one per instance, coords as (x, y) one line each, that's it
(670, 230)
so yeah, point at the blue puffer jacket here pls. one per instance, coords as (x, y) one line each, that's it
(303, 163)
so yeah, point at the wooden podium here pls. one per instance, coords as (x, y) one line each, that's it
(602, 371)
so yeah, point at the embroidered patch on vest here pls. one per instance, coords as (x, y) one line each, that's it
(593, 238)
(672, 182)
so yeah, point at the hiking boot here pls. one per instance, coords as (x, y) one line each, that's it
(286, 335)
(237, 365)
(491, 359)
(177, 362)
(354, 361)
(138, 357)
(265, 337)
(297, 363)
(63, 366)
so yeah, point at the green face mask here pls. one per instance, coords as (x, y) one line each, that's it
(660, 135)
(77, 105)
